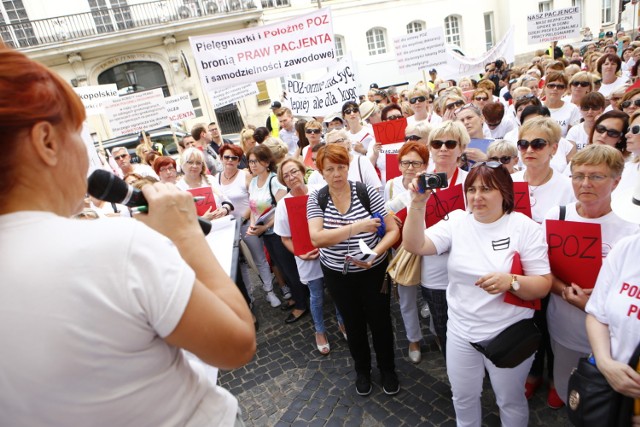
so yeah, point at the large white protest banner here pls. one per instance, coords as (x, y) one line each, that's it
(222, 97)
(259, 53)
(460, 66)
(179, 107)
(94, 97)
(553, 25)
(136, 112)
(325, 95)
(421, 50)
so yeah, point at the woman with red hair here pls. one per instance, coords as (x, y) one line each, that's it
(165, 168)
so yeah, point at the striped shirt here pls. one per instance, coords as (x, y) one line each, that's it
(333, 256)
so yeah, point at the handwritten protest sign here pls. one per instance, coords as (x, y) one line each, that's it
(450, 199)
(209, 201)
(94, 97)
(554, 25)
(298, 224)
(575, 251)
(325, 95)
(179, 107)
(136, 112)
(521, 200)
(420, 51)
(259, 53)
(390, 131)
(220, 98)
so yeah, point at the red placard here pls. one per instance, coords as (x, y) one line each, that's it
(509, 298)
(575, 251)
(390, 131)
(522, 202)
(392, 166)
(450, 199)
(298, 224)
(202, 206)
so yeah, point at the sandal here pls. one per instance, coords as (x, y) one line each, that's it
(324, 349)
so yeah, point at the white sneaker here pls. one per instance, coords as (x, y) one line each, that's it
(273, 299)
(424, 311)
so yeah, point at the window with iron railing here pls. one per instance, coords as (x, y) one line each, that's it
(110, 14)
(20, 33)
(269, 4)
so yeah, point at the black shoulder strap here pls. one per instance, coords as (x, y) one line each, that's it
(360, 169)
(563, 213)
(323, 197)
(363, 195)
(273, 199)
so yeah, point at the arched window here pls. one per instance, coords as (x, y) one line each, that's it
(340, 46)
(376, 41)
(452, 29)
(416, 27)
(136, 76)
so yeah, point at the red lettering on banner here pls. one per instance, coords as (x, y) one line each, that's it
(209, 201)
(575, 251)
(298, 224)
(633, 309)
(390, 131)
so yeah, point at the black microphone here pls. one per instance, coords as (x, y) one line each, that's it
(104, 185)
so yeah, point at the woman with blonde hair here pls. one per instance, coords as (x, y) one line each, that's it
(580, 84)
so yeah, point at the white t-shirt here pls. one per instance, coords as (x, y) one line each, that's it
(607, 89)
(432, 118)
(567, 322)
(291, 139)
(308, 270)
(557, 191)
(263, 198)
(629, 178)
(566, 116)
(236, 192)
(85, 307)
(476, 249)
(364, 136)
(507, 125)
(578, 135)
(613, 297)
(360, 170)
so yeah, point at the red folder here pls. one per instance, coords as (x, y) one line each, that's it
(510, 298)
(202, 206)
(298, 224)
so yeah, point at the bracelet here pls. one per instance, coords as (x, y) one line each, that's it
(417, 209)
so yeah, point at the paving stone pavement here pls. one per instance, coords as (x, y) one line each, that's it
(288, 383)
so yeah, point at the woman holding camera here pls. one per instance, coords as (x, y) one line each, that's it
(482, 243)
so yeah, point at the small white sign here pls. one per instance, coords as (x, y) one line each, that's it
(420, 51)
(136, 112)
(222, 97)
(179, 107)
(554, 25)
(94, 97)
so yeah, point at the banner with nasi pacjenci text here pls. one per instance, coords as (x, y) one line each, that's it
(325, 95)
(553, 25)
(258, 53)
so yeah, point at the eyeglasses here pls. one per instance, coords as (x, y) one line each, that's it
(455, 104)
(437, 144)
(412, 138)
(627, 104)
(313, 131)
(417, 99)
(234, 158)
(254, 162)
(590, 107)
(194, 162)
(213, 130)
(536, 144)
(556, 86)
(348, 111)
(121, 156)
(582, 83)
(481, 98)
(612, 133)
(394, 117)
(634, 129)
(377, 101)
(592, 178)
(411, 163)
(337, 141)
(502, 159)
(492, 165)
(167, 169)
(291, 174)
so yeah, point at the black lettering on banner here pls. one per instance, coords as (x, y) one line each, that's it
(520, 199)
(593, 242)
(572, 246)
(502, 244)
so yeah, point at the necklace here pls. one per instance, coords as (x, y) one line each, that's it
(229, 178)
(532, 189)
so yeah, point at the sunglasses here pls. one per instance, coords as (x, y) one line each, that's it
(412, 138)
(454, 105)
(612, 133)
(121, 156)
(315, 131)
(592, 108)
(492, 165)
(536, 144)
(437, 144)
(234, 158)
(502, 159)
(627, 104)
(527, 96)
(348, 111)
(556, 86)
(481, 98)
(417, 99)
(583, 84)
(394, 117)
(635, 129)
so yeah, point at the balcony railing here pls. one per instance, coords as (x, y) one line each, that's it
(24, 34)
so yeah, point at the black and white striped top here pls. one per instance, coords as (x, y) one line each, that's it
(333, 256)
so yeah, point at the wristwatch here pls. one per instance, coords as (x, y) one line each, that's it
(515, 285)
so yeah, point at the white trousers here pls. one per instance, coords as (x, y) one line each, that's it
(465, 368)
(256, 247)
(409, 310)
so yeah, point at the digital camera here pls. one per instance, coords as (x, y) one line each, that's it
(429, 181)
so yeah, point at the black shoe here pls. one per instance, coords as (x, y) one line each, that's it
(363, 384)
(292, 318)
(287, 307)
(390, 383)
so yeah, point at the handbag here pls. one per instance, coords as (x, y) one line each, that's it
(512, 346)
(591, 401)
(405, 268)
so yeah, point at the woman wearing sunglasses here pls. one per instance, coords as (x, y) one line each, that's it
(481, 97)
(313, 133)
(478, 279)
(630, 102)
(610, 129)
(421, 101)
(580, 84)
(591, 106)
(361, 135)
(565, 114)
(505, 152)
(632, 166)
